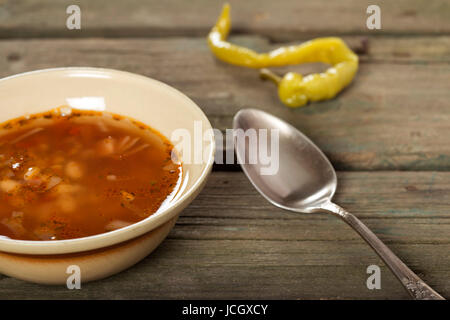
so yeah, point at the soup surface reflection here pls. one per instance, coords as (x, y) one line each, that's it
(69, 174)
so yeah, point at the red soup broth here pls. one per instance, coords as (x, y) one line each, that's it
(66, 175)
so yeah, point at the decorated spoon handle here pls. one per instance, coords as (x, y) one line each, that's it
(415, 286)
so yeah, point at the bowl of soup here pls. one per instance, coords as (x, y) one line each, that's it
(95, 167)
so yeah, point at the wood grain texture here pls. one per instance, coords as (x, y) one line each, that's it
(230, 243)
(278, 20)
(395, 116)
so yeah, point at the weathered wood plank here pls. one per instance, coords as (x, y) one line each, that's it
(393, 117)
(223, 269)
(393, 229)
(279, 20)
(230, 238)
(375, 195)
(401, 207)
(406, 49)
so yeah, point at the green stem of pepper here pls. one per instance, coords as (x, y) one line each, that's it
(266, 74)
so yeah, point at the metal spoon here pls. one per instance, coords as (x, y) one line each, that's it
(306, 182)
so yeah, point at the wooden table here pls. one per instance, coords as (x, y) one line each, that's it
(387, 135)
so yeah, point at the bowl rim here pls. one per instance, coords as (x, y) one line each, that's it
(134, 230)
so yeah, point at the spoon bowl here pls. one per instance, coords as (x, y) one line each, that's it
(306, 182)
(305, 179)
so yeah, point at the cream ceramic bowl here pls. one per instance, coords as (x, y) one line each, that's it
(149, 101)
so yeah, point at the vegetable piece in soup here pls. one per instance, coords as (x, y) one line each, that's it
(66, 175)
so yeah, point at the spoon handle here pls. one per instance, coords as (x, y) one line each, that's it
(415, 286)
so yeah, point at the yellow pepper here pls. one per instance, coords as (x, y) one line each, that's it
(294, 90)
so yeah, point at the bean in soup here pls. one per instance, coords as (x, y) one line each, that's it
(69, 173)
